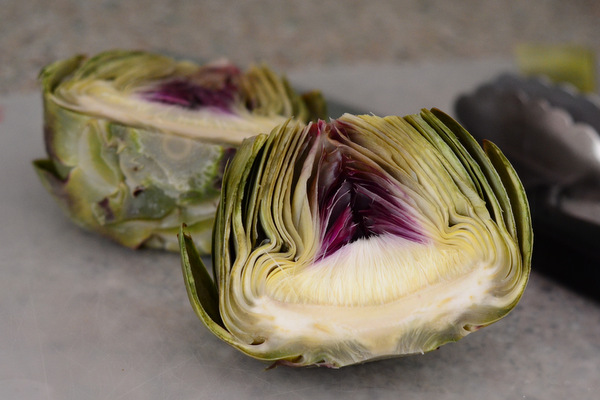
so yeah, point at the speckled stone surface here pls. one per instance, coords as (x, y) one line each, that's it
(289, 35)
(82, 318)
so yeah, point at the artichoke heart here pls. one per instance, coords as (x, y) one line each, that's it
(137, 142)
(361, 238)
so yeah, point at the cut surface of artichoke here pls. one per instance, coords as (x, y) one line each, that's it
(137, 142)
(222, 121)
(362, 238)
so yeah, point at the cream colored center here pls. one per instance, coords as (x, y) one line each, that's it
(100, 98)
(370, 271)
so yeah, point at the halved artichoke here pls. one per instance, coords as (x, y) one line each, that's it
(137, 142)
(361, 238)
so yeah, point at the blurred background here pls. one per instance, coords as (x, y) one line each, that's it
(288, 35)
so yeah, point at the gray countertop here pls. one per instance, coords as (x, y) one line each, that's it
(83, 318)
(288, 35)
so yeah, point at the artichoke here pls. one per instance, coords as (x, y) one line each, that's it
(361, 238)
(137, 142)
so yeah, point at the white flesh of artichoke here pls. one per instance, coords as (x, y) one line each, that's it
(362, 238)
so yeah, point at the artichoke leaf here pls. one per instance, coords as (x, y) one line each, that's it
(140, 141)
(365, 237)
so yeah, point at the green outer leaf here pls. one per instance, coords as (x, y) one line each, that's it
(54, 73)
(136, 184)
(503, 188)
(200, 286)
(505, 183)
(254, 222)
(518, 200)
(235, 175)
(204, 299)
(495, 190)
(95, 162)
(131, 233)
(201, 289)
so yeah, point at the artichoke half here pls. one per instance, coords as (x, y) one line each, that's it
(137, 142)
(362, 238)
